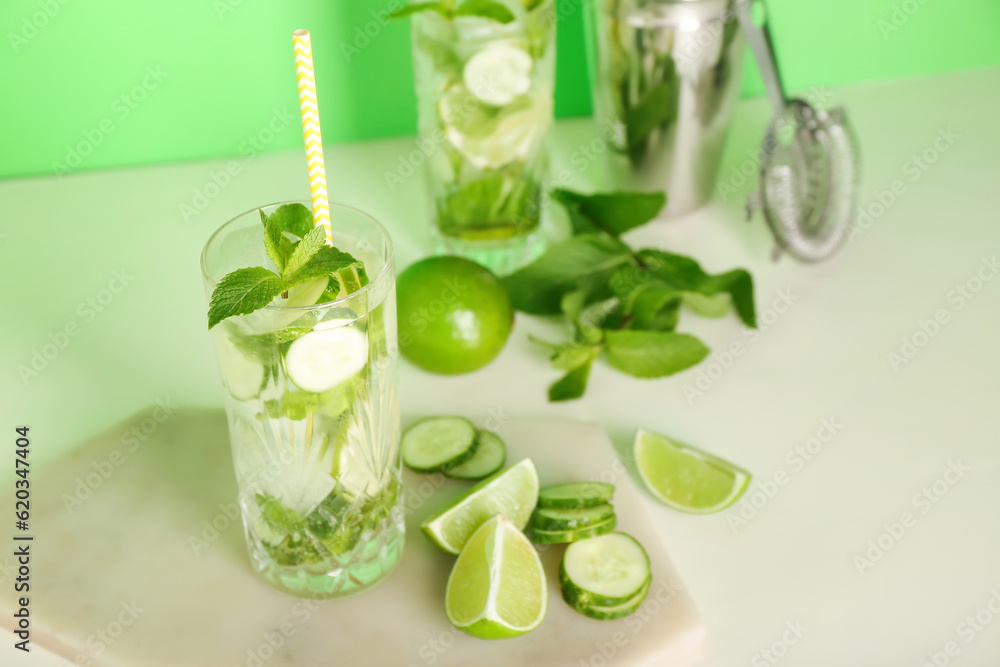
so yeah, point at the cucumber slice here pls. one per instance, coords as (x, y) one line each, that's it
(612, 612)
(564, 520)
(575, 495)
(605, 571)
(243, 377)
(438, 442)
(490, 455)
(566, 536)
(320, 360)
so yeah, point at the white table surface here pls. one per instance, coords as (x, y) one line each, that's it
(824, 357)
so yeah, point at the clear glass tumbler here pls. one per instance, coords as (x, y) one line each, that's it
(317, 466)
(485, 98)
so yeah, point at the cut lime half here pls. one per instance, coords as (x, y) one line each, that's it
(687, 478)
(497, 587)
(512, 492)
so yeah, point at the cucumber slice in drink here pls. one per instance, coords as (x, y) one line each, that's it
(320, 360)
(438, 442)
(565, 520)
(610, 613)
(243, 377)
(605, 571)
(567, 536)
(575, 495)
(489, 456)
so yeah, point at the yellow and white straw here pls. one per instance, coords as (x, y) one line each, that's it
(306, 76)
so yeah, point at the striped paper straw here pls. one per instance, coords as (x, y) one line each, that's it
(306, 76)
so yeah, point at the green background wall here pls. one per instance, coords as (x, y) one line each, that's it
(147, 81)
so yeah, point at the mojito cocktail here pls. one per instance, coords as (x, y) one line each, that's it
(310, 380)
(484, 80)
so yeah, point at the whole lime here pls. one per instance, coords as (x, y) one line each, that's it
(454, 315)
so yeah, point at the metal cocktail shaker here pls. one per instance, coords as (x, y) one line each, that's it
(665, 76)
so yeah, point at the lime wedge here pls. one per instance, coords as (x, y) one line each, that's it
(686, 478)
(512, 492)
(497, 588)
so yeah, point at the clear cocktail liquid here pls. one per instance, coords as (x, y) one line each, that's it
(318, 471)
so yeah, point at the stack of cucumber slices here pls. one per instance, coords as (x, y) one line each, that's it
(497, 587)
(572, 512)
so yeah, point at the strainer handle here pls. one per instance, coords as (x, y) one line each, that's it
(759, 37)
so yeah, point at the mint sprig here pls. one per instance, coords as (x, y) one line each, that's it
(619, 303)
(246, 290)
(487, 9)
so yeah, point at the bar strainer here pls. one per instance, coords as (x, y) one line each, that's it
(808, 178)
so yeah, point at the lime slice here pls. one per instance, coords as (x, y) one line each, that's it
(686, 478)
(497, 588)
(511, 492)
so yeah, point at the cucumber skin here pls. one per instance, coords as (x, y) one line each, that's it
(604, 493)
(579, 597)
(449, 470)
(565, 537)
(461, 458)
(543, 521)
(602, 613)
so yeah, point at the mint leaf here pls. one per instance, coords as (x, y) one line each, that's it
(612, 212)
(581, 262)
(279, 247)
(650, 354)
(656, 109)
(296, 219)
(572, 385)
(323, 262)
(305, 249)
(488, 9)
(415, 7)
(243, 291)
(704, 305)
(656, 307)
(685, 274)
(572, 355)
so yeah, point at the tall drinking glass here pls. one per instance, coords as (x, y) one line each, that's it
(313, 415)
(485, 97)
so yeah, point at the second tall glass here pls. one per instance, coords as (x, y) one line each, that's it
(485, 96)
